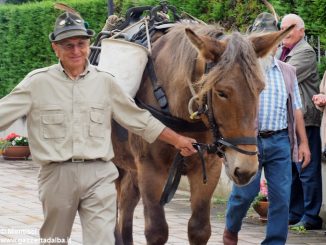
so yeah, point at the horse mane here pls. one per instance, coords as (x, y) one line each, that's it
(239, 50)
(183, 57)
(182, 54)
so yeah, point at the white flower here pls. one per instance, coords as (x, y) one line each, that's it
(13, 142)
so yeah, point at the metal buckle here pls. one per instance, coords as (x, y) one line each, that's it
(77, 160)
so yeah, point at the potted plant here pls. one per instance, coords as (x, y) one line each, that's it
(15, 147)
(3, 145)
(260, 203)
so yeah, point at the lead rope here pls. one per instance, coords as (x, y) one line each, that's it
(175, 173)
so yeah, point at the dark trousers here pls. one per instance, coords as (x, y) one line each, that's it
(306, 190)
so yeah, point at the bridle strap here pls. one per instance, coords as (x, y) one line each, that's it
(242, 141)
(221, 142)
(234, 147)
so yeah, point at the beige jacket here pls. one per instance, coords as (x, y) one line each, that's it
(72, 118)
(322, 89)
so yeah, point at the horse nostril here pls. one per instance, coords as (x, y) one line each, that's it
(242, 176)
(237, 173)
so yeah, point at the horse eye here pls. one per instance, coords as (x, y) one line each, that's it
(222, 94)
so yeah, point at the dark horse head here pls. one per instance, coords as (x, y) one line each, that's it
(233, 83)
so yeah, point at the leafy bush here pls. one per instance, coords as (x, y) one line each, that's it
(24, 28)
(24, 31)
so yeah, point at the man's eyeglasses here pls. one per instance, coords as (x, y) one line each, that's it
(82, 44)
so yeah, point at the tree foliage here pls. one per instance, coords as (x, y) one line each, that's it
(24, 28)
(239, 14)
(24, 31)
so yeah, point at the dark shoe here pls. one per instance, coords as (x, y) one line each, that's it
(230, 238)
(304, 225)
(293, 222)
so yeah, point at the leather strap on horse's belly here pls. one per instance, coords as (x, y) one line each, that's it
(177, 124)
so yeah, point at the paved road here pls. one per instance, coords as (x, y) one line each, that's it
(21, 214)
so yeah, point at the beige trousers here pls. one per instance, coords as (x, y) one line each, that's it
(87, 187)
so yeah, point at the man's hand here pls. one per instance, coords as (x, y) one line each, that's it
(182, 143)
(304, 154)
(319, 100)
(185, 146)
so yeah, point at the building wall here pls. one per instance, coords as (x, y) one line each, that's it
(18, 127)
(224, 188)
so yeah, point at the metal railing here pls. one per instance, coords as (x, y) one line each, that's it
(315, 43)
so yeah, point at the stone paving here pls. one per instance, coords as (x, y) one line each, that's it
(21, 214)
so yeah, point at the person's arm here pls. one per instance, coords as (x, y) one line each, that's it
(182, 143)
(304, 151)
(14, 105)
(142, 123)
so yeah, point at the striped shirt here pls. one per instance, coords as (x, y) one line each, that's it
(272, 106)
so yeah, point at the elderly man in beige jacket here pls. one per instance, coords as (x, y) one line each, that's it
(69, 107)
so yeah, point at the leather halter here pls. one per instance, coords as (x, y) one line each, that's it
(220, 143)
(218, 147)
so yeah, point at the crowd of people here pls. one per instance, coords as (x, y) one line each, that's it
(293, 177)
(289, 136)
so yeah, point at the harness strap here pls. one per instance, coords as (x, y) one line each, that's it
(242, 141)
(175, 123)
(175, 173)
(159, 93)
(173, 180)
(234, 147)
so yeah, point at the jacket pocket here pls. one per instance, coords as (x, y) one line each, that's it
(53, 126)
(97, 123)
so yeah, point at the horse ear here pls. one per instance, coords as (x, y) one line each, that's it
(207, 47)
(264, 43)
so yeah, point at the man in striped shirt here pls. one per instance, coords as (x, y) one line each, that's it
(280, 120)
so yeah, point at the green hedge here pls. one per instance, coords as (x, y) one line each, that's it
(24, 31)
(239, 14)
(24, 28)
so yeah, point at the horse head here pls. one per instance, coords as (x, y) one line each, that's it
(233, 84)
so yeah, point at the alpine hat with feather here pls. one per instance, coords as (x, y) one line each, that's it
(265, 22)
(69, 25)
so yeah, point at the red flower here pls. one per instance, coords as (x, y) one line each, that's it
(11, 136)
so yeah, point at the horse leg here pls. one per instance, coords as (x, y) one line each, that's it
(151, 183)
(128, 198)
(199, 226)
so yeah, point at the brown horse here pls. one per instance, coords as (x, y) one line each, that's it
(232, 85)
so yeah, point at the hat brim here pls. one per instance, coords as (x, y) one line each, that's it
(71, 33)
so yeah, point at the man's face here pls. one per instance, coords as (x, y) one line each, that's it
(72, 52)
(294, 36)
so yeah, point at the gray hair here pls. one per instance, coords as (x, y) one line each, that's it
(297, 19)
